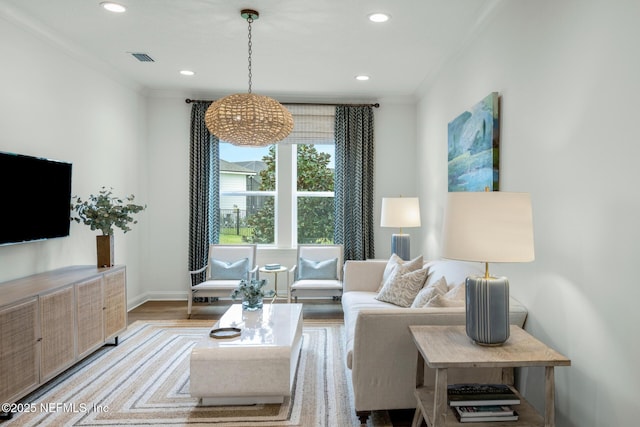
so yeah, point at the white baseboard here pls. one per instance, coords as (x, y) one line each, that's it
(155, 296)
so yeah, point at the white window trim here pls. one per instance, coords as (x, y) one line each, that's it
(285, 227)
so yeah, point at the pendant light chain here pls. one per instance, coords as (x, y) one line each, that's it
(250, 21)
(246, 119)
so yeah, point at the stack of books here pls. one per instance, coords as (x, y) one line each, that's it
(474, 403)
(272, 267)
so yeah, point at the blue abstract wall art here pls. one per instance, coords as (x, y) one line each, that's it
(473, 147)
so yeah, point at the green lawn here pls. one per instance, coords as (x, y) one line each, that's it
(230, 239)
(230, 236)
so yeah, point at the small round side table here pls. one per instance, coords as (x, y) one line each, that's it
(275, 271)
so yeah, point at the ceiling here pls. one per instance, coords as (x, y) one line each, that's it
(302, 49)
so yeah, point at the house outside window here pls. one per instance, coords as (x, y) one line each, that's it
(236, 180)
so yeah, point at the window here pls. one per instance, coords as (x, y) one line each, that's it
(282, 194)
(246, 199)
(314, 193)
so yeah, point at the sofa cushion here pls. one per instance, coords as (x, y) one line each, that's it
(402, 286)
(394, 262)
(223, 270)
(318, 270)
(455, 297)
(428, 292)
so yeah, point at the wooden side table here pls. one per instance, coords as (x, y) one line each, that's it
(443, 347)
(275, 271)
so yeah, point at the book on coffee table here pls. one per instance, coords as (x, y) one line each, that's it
(481, 395)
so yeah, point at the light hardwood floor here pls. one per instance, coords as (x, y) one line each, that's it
(173, 310)
(311, 309)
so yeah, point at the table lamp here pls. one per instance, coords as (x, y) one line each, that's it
(488, 227)
(399, 212)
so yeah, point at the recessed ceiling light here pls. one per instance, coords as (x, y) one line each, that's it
(362, 77)
(113, 7)
(379, 17)
(187, 72)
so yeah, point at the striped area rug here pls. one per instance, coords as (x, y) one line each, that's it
(144, 381)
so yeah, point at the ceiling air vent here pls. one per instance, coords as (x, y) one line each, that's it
(142, 57)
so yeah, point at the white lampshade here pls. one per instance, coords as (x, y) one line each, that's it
(488, 227)
(400, 212)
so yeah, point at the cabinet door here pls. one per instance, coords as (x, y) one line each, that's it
(115, 303)
(89, 313)
(18, 349)
(57, 320)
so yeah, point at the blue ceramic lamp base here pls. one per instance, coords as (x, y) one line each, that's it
(400, 245)
(487, 310)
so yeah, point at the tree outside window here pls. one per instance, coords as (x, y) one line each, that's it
(315, 186)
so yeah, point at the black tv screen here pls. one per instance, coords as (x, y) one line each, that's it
(35, 198)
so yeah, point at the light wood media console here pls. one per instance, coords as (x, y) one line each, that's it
(51, 320)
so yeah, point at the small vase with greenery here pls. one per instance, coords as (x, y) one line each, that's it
(104, 211)
(252, 293)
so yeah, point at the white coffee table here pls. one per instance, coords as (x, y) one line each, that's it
(259, 366)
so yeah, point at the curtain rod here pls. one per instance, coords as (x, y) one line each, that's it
(376, 105)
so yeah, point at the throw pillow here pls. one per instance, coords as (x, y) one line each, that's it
(394, 262)
(402, 286)
(428, 292)
(318, 270)
(223, 270)
(454, 298)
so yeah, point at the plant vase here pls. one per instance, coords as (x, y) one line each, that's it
(252, 302)
(104, 247)
(251, 292)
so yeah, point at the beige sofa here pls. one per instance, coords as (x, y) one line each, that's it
(379, 349)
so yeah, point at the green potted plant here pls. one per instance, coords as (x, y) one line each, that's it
(252, 293)
(103, 212)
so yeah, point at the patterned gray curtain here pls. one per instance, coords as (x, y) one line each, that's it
(204, 183)
(354, 181)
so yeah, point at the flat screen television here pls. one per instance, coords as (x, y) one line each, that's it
(35, 198)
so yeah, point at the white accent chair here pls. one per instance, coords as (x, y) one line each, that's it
(314, 275)
(226, 266)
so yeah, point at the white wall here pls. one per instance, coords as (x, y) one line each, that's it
(568, 75)
(54, 105)
(395, 168)
(167, 262)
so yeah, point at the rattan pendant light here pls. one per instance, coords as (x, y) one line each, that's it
(248, 119)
